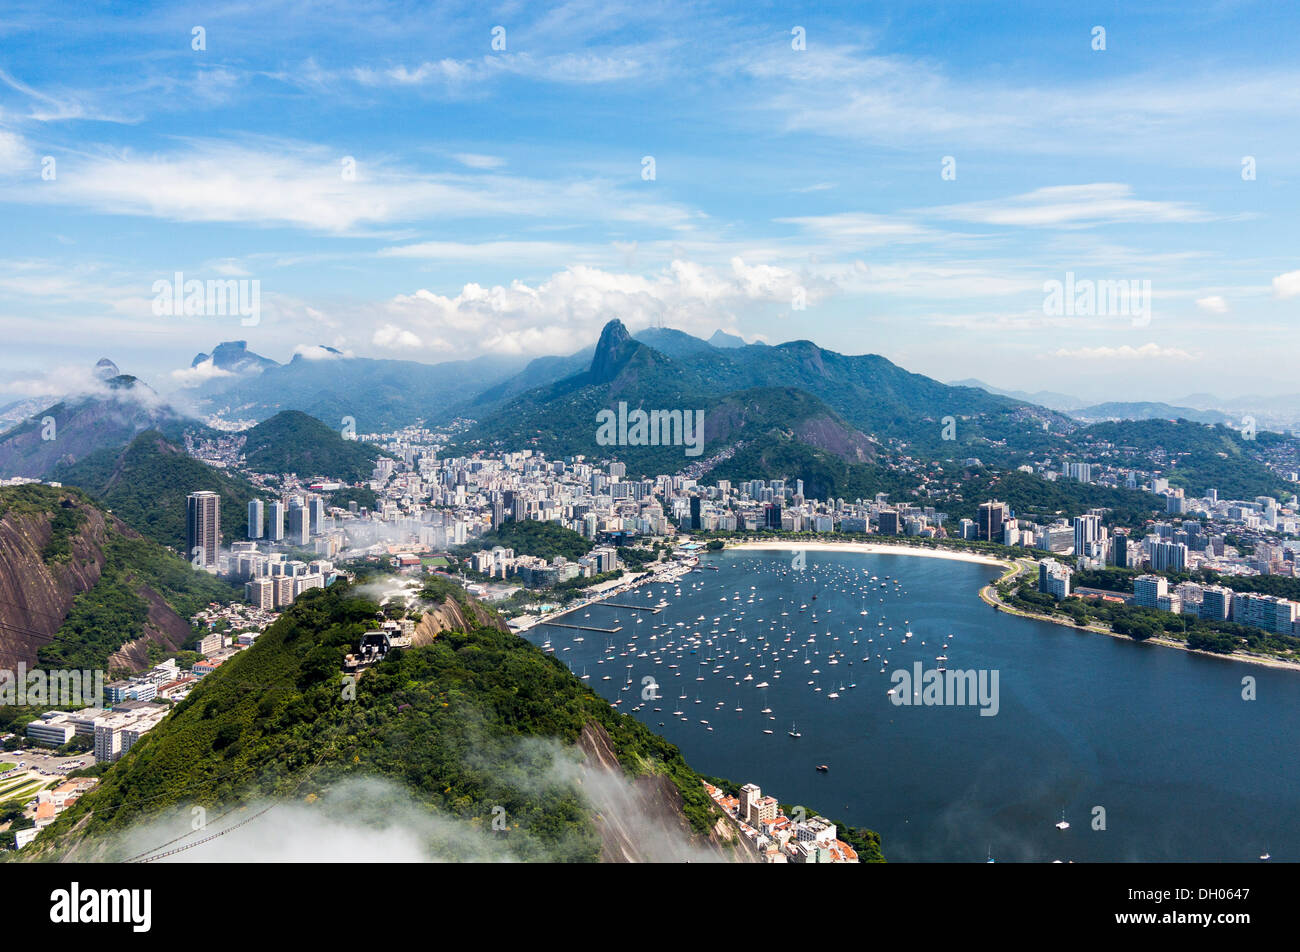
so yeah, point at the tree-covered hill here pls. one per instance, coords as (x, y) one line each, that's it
(1194, 456)
(79, 584)
(146, 483)
(534, 537)
(472, 722)
(293, 442)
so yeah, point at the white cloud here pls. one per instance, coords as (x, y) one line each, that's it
(55, 108)
(475, 161)
(14, 153)
(903, 102)
(1072, 205)
(857, 226)
(1148, 351)
(1286, 285)
(487, 252)
(460, 76)
(201, 372)
(1214, 304)
(317, 352)
(393, 337)
(566, 312)
(304, 186)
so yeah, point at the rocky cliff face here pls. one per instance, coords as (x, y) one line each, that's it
(640, 820)
(35, 596)
(450, 615)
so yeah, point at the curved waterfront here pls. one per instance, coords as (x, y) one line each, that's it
(1162, 740)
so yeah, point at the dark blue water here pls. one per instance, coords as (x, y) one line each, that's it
(1184, 768)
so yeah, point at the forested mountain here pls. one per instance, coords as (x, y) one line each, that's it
(145, 485)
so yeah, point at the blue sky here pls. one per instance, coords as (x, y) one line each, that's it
(499, 204)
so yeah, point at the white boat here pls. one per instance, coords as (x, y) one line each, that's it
(1064, 824)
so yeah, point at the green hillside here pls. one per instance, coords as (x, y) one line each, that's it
(293, 442)
(117, 609)
(561, 419)
(136, 574)
(667, 369)
(455, 722)
(146, 483)
(1196, 457)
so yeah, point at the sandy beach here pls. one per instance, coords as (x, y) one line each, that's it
(876, 548)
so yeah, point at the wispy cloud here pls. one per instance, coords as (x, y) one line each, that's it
(1073, 206)
(1148, 351)
(310, 187)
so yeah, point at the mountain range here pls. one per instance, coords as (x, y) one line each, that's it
(751, 394)
(792, 410)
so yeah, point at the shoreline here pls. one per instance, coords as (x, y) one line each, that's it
(1156, 642)
(876, 548)
(879, 548)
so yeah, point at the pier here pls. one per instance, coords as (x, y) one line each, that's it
(636, 608)
(603, 631)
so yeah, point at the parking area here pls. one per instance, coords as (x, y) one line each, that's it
(44, 762)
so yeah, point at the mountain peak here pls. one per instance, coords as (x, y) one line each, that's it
(721, 338)
(613, 350)
(234, 356)
(105, 369)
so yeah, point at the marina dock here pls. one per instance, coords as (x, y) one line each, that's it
(603, 631)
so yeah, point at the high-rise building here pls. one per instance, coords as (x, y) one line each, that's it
(888, 522)
(1087, 534)
(203, 528)
(316, 508)
(1149, 589)
(299, 522)
(1216, 602)
(1168, 557)
(1119, 549)
(1054, 578)
(991, 516)
(275, 522)
(255, 529)
(1080, 471)
(260, 592)
(696, 505)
